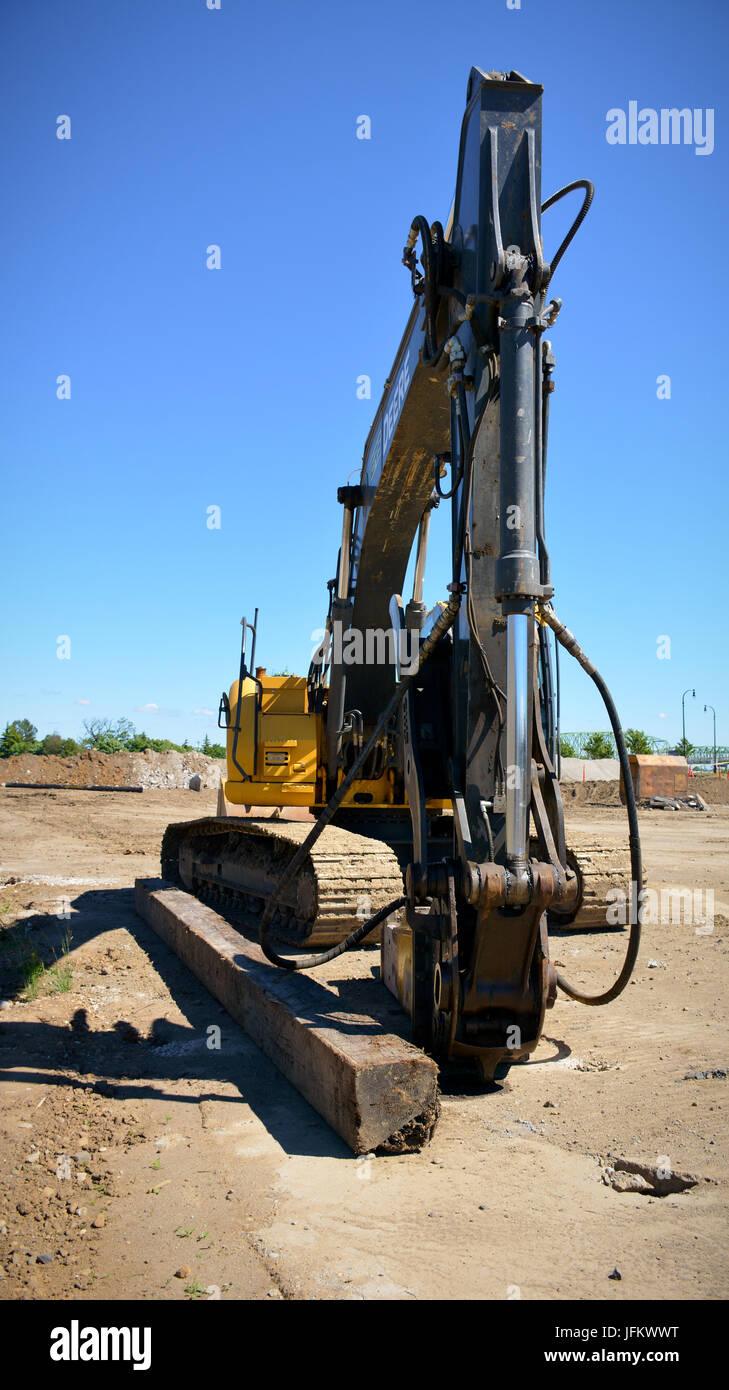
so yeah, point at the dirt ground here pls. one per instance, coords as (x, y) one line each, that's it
(138, 1161)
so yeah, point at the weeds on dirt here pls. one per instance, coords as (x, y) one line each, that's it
(196, 1290)
(61, 974)
(57, 977)
(134, 1136)
(32, 971)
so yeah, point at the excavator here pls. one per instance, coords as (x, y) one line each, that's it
(411, 777)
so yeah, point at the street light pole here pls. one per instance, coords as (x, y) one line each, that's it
(713, 711)
(683, 714)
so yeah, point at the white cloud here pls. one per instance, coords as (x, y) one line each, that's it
(83, 702)
(663, 716)
(207, 712)
(153, 708)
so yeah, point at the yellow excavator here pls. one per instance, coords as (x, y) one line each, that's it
(412, 775)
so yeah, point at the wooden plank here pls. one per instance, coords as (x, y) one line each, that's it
(372, 1086)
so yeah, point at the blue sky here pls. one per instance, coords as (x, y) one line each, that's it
(236, 388)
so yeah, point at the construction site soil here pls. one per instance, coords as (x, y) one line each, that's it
(713, 790)
(148, 1150)
(163, 770)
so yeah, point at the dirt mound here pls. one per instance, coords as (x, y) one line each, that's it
(162, 770)
(713, 790)
(590, 793)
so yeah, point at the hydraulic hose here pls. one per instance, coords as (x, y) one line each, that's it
(440, 628)
(582, 214)
(570, 643)
(432, 239)
(446, 496)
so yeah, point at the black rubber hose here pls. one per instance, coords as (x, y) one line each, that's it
(463, 422)
(582, 214)
(570, 643)
(350, 942)
(446, 496)
(429, 282)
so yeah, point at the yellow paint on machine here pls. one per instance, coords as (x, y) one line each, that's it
(281, 749)
(277, 743)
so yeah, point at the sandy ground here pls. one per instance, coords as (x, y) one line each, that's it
(137, 1161)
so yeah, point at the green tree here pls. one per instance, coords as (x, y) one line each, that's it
(684, 748)
(599, 746)
(25, 730)
(51, 744)
(211, 750)
(59, 747)
(19, 736)
(637, 741)
(139, 742)
(567, 749)
(108, 736)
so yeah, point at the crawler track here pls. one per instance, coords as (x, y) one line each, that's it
(600, 869)
(236, 865)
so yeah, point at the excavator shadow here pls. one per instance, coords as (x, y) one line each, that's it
(359, 1005)
(106, 1032)
(109, 1030)
(462, 1079)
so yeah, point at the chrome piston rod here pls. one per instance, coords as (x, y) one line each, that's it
(517, 737)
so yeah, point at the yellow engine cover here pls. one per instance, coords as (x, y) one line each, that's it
(281, 749)
(277, 743)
